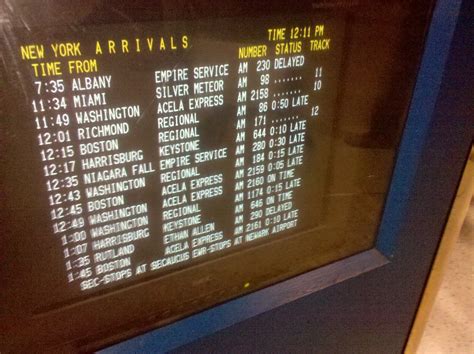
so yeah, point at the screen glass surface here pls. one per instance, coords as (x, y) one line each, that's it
(165, 144)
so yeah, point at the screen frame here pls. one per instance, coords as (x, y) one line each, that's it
(313, 281)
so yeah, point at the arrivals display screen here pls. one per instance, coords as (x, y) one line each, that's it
(188, 148)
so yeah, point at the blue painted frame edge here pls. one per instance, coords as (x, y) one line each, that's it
(418, 123)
